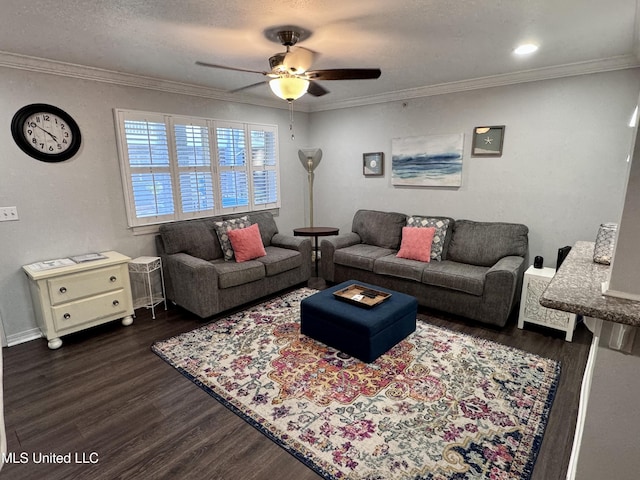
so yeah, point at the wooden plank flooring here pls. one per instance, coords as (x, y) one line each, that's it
(107, 398)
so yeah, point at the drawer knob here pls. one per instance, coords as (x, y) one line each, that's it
(67, 316)
(63, 289)
(113, 278)
(116, 303)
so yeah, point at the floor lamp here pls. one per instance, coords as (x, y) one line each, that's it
(310, 159)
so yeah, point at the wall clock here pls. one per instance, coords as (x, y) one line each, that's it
(45, 132)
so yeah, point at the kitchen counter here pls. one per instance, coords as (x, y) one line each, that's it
(606, 436)
(577, 288)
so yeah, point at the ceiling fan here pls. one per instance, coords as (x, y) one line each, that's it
(290, 76)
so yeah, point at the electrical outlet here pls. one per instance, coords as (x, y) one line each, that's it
(8, 214)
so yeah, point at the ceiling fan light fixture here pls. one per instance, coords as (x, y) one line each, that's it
(289, 88)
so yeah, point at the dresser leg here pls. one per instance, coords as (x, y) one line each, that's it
(55, 343)
(128, 320)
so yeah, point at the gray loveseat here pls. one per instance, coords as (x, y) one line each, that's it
(478, 273)
(199, 279)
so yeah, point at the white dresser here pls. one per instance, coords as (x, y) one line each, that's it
(74, 297)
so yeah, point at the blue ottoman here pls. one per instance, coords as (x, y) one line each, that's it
(360, 332)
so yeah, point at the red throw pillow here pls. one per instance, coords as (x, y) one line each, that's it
(246, 243)
(416, 243)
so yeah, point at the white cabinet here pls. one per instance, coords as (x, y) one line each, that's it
(74, 297)
(535, 282)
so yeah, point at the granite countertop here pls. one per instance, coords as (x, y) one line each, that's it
(577, 288)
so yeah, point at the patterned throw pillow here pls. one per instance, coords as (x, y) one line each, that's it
(223, 227)
(441, 225)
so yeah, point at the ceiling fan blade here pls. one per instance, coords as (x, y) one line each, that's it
(213, 65)
(246, 87)
(316, 90)
(345, 74)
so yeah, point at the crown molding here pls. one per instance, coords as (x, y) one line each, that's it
(64, 69)
(54, 67)
(581, 68)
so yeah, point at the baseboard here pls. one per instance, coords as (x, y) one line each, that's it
(23, 337)
(582, 409)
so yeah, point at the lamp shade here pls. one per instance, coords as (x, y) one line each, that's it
(310, 158)
(289, 88)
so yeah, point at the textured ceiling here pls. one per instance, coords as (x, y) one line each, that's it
(416, 43)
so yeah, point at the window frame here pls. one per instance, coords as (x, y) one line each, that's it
(251, 166)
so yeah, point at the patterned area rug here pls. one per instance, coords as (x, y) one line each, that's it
(439, 405)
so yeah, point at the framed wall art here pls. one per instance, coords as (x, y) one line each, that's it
(427, 161)
(373, 164)
(487, 141)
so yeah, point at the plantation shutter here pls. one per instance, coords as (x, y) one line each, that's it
(149, 169)
(193, 154)
(264, 167)
(231, 154)
(179, 167)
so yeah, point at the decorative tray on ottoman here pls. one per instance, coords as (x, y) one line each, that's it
(362, 296)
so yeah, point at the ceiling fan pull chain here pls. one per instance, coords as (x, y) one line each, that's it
(293, 135)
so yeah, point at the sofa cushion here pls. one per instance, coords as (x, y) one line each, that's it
(360, 256)
(246, 243)
(456, 276)
(194, 237)
(222, 227)
(484, 243)
(280, 260)
(267, 224)
(416, 243)
(232, 274)
(442, 238)
(382, 229)
(399, 267)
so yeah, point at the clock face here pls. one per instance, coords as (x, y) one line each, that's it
(45, 132)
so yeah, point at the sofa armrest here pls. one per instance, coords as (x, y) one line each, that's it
(328, 247)
(511, 264)
(291, 242)
(502, 287)
(194, 283)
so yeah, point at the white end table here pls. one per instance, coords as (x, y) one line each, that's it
(534, 283)
(147, 283)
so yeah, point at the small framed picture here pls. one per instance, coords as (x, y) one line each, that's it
(487, 141)
(373, 164)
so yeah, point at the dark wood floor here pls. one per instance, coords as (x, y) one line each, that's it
(105, 397)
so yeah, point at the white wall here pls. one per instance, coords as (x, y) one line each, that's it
(77, 206)
(563, 169)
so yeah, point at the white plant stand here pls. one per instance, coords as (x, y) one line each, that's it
(147, 283)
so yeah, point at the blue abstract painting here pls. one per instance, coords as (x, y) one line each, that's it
(427, 161)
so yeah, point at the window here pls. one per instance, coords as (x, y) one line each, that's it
(176, 168)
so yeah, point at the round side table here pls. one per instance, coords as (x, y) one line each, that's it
(316, 232)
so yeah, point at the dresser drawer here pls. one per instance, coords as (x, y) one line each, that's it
(84, 284)
(112, 304)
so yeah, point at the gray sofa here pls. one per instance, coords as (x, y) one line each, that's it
(199, 279)
(478, 273)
